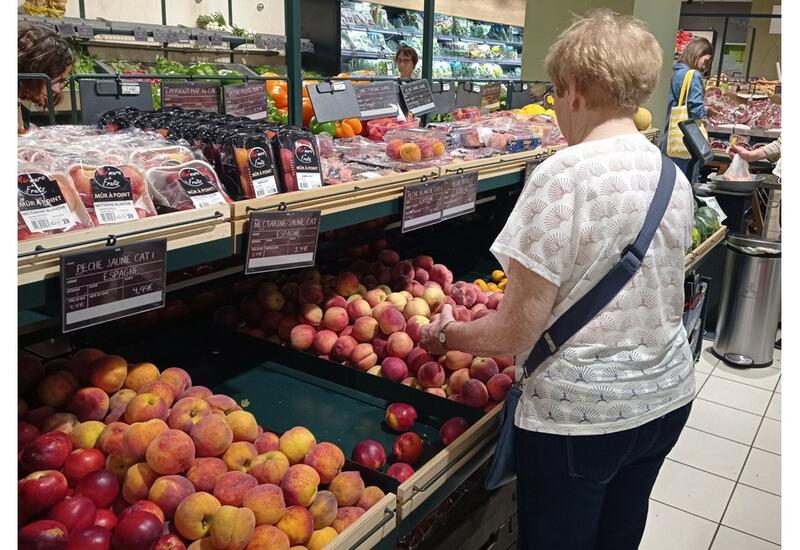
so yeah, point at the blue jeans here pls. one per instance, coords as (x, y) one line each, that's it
(590, 492)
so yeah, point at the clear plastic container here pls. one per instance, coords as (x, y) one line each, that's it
(112, 193)
(186, 186)
(298, 159)
(414, 145)
(47, 204)
(146, 158)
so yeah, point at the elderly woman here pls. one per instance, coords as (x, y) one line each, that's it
(598, 417)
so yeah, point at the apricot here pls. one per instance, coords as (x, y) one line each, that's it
(321, 537)
(231, 528)
(108, 373)
(298, 524)
(137, 482)
(296, 443)
(345, 517)
(169, 491)
(187, 412)
(171, 452)
(205, 472)
(243, 424)
(370, 497)
(146, 406)
(139, 375)
(232, 486)
(267, 503)
(269, 467)
(299, 485)
(211, 435)
(193, 515)
(86, 434)
(347, 487)
(139, 435)
(239, 456)
(268, 537)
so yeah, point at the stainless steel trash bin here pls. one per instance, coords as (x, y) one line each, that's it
(751, 302)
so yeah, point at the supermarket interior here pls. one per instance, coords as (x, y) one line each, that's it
(399, 274)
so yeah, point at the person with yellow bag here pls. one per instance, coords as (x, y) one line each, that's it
(686, 99)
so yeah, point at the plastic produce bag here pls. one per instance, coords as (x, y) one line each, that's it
(47, 203)
(739, 170)
(187, 186)
(254, 170)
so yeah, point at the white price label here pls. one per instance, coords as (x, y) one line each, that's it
(204, 201)
(308, 180)
(115, 211)
(265, 187)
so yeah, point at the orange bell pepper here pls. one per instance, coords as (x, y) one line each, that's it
(344, 130)
(280, 94)
(308, 111)
(355, 124)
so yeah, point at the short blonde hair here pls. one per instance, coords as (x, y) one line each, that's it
(610, 59)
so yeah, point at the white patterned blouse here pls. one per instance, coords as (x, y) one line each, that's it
(632, 362)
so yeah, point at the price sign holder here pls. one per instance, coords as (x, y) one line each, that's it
(444, 97)
(111, 283)
(67, 30)
(84, 31)
(377, 99)
(490, 96)
(282, 240)
(519, 95)
(183, 36)
(460, 195)
(216, 40)
(335, 100)
(468, 95)
(203, 40)
(191, 95)
(140, 34)
(422, 205)
(247, 99)
(418, 97)
(160, 34)
(99, 96)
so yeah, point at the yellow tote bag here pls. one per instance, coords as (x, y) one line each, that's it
(675, 145)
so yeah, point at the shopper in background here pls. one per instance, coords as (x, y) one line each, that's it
(696, 56)
(598, 417)
(406, 59)
(40, 49)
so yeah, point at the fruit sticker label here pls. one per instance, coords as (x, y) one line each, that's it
(41, 203)
(113, 196)
(422, 205)
(111, 283)
(306, 165)
(200, 189)
(282, 240)
(262, 172)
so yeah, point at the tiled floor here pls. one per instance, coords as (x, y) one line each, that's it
(720, 488)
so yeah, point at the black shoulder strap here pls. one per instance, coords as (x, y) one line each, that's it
(585, 309)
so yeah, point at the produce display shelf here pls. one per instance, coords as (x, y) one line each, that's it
(102, 27)
(744, 131)
(697, 255)
(476, 40)
(512, 62)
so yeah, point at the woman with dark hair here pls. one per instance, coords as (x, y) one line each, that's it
(696, 56)
(406, 59)
(40, 50)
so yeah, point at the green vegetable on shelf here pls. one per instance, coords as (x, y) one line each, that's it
(319, 127)
(203, 69)
(233, 77)
(155, 89)
(168, 66)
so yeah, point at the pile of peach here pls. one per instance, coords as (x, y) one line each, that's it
(371, 317)
(128, 457)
